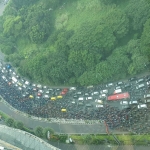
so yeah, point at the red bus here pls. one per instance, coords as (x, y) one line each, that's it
(118, 96)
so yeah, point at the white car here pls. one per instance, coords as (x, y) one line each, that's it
(104, 91)
(124, 103)
(89, 98)
(40, 91)
(39, 86)
(73, 102)
(98, 106)
(72, 89)
(46, 96)
(147, 100)
(142, 106)
(133, 102)
(102, 96)
(95, 93)
(109, 84)
(27, 83)
(99, 101)
(147, 96)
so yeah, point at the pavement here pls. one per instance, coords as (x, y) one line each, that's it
(62, 128)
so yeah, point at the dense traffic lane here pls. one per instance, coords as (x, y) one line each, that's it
(58, 127)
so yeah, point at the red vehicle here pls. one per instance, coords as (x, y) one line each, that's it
(39, 94)
(63, 93)
(65, 90)
(118, 96)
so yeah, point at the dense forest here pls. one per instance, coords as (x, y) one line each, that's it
(76, 42)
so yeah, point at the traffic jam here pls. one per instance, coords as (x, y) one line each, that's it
(122, 105)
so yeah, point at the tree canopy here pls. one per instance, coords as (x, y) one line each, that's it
(76, 42)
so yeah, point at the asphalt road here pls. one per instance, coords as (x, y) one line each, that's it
(58, 127)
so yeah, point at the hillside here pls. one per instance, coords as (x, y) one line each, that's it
(76, 42)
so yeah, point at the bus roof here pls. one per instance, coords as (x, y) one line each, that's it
(118, 96)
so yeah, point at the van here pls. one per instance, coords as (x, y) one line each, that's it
(53, 98)
(80, 99)
(59, 97)
(117, 91)
(147, 96)
(63, 110)
(140, 86)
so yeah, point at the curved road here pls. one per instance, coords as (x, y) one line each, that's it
(59, 128)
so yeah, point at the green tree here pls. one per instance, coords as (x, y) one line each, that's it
(10, 122)
(19, 125)
(138, 12)
(39, 131)
(145, 42)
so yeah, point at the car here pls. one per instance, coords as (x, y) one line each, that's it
(133, 102)
(127, 85)
(86, 94)
(46, 96)
(34, 85)
(140, 80)
(80, 103)
(147, 78)
(40, 91)
(117, 91)
(27, 83)
(109, 85)
(39, 94)
(44, 87)
(34, 89)
(119, 83)
(63, 93)
(75, 96)
(73, 102)
(99, 106)
(95, 93)
(117, 87)
(79, 93)
(102, 96)
(99, 101)
(19, 88)
(142, 106)
(124, 103)
(88, 105)
(39, 86)
(31, 96)
(72, 88)
(140, 86)
(147, 100)
(65, 90)
(147, 96)
(148, 83)
(89, 98)
(132, 79)
(47, 92)
(104, 91)
(19, 83)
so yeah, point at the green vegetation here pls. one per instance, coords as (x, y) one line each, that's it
(76, 42)
(96, 139)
